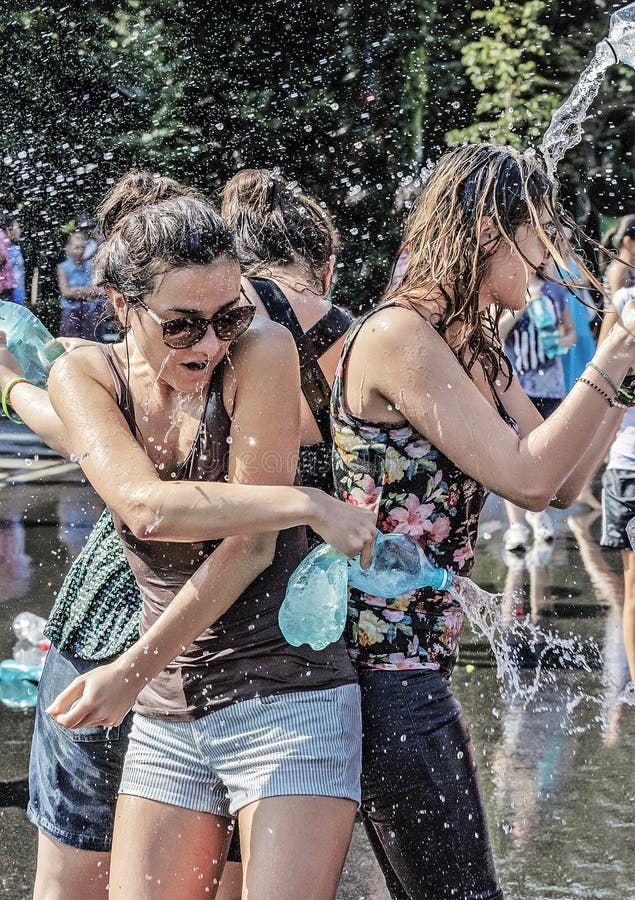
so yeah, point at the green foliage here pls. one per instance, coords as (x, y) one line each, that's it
(516, 101)
(349, 97)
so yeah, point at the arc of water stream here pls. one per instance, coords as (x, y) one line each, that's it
(565, 129)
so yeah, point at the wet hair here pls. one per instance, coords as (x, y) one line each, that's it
(447, 260)
(614, 237)
(151, 226)
(276, 223)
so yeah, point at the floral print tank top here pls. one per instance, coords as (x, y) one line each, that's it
(415, 489)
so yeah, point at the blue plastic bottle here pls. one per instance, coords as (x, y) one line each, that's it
(542, 314)
(29, 341)
(18, 684)
(314, 607)
(398, 567)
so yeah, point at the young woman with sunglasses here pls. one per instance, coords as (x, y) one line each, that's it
(192, 271)
(427, 418)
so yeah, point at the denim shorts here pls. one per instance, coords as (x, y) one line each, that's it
(306, 742)
(618, 507)
(73, 773)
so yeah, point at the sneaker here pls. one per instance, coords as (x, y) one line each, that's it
(516, 537)
(542, 526)
(514, 560)
(539, 556)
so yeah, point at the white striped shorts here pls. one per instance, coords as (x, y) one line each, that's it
(307, 742)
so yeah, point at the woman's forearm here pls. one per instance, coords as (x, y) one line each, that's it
(570, 489)
(553, 450)
(33, 406)
(192, 511)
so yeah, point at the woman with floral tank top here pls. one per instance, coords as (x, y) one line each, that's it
(427, 417)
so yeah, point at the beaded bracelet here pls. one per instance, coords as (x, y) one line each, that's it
(604, 375)
(6, 394)
(595, 387)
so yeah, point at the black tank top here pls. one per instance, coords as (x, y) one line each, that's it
(243, 654)
(314, 464)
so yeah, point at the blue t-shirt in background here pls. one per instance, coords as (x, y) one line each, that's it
(76, 276)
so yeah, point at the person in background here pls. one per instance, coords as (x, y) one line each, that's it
(584, 315)
(618, 505)
(620, 272)
(14, 234)
(89, 230)
(542, 378)
(7, 278)
(287, 248)
(79, 298)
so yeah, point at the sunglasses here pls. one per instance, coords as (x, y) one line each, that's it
(178, 334)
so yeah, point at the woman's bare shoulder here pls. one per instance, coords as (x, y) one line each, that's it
(86, 360)
(392, 327)
(262, 336)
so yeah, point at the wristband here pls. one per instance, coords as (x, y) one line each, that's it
(605, 376)
(597, 388)
(6, 394)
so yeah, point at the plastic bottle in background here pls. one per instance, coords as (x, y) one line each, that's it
(542, 314)
(18, 684)
(31, 654)
(29, 627)
(29, 341)
(314, 607)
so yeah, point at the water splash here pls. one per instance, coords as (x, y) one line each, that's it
(520, 646)
(565, 129)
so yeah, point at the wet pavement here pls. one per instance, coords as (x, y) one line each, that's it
(558, 784)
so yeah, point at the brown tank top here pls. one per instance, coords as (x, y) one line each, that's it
(243, 655)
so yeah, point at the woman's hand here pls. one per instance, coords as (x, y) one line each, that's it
(102, 696)
(8, 364)
(349, 529)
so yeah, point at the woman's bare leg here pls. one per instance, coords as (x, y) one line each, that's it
(161, 852)
(628, 561)
(64, 873)
(231, 883)
(294, 846)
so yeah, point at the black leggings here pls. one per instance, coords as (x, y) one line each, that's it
(421, 802)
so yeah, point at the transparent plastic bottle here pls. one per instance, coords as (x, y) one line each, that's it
(29, 627)
(622, 34)
(30, 654)
(314, 607)
(398, 567)
(542, 314)
(29, 341)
